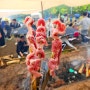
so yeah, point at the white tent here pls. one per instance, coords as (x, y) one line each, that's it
(8, 7)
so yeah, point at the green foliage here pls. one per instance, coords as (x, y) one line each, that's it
(81, 9)
(53, 10)
(63, 9)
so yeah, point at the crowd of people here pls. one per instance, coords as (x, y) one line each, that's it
(22, 47)
(82, 25)
(5, 30)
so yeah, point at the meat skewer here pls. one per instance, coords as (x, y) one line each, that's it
(37, 54)
(36, 44)
(56, 46)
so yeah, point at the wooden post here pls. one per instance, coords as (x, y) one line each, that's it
(45, 81)
(42, 9)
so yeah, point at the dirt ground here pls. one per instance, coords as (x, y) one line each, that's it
(11, 77)
(9, 49)
(84, 85)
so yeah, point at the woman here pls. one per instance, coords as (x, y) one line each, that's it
(2, 37)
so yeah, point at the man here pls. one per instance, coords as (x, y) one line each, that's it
(49, 27)
(65, 18)
(85, 25)
(22, 47)
(2, 38)
(14, 24)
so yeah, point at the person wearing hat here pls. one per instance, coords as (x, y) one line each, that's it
(8, 30)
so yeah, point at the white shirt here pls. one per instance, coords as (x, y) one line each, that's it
(85, 23)
(49, 26)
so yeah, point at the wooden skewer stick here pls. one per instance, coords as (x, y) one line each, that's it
(87, 67)
(45, 81)
(81, 68)
(34, 84)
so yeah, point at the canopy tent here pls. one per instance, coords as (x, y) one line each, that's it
(74, 3)
(29, 6)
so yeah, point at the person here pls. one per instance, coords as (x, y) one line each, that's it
(34, 26)
(70, 30)
(14, 24)
(2, 37)
(71, 18)
(62, 18)
(49, 27)
(85, 25)
(8, 30)
(3, 24)
(65, 18)
(22, 47)
(76, 27)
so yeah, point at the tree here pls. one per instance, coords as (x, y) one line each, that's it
(53, 10)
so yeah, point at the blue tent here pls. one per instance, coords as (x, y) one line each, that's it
(77, 15)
